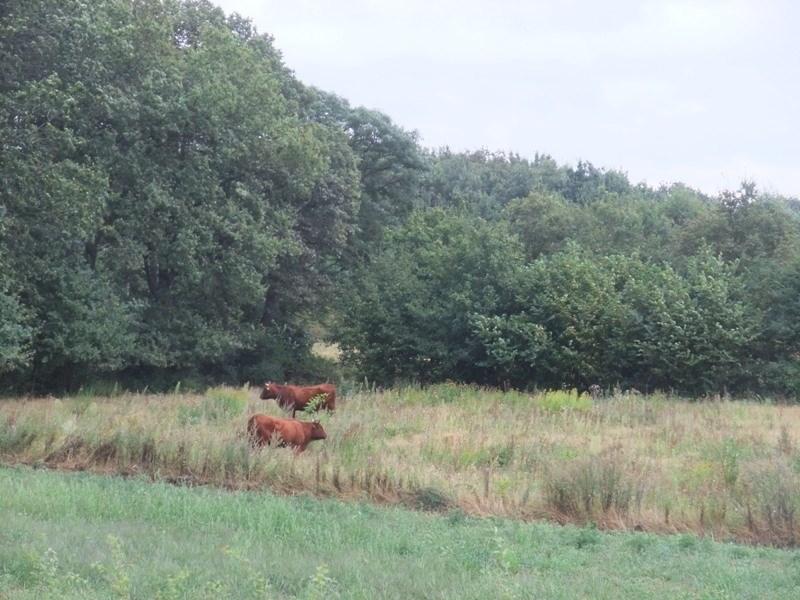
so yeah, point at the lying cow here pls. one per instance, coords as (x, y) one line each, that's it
(264, 429)
(295, 397)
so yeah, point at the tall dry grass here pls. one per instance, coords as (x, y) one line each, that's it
(730, 470)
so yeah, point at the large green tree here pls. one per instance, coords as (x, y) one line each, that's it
(390, 164)
(167, 204)
(410, 311)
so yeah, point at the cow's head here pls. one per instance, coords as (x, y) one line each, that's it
(317, 432)
(269, 391)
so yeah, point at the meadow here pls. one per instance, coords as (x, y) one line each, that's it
(728, 470)
(77, 535)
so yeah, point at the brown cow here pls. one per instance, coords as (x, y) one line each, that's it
(264, 429)
(295, 397)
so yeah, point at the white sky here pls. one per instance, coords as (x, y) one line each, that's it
(706, 92)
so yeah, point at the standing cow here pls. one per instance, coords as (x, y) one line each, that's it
(295, 397)
(264, 429)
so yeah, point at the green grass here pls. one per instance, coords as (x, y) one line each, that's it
(87, 536)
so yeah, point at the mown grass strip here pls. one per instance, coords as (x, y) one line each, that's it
(86, 536)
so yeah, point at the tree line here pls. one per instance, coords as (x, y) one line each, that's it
(176, 205)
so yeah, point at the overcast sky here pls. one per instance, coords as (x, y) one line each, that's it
(705, 92)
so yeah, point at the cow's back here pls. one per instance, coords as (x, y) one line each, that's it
(330, 395)
(301, 396)
(326, 390)
(263, 428)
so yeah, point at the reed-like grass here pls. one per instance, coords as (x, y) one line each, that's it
(725, 469)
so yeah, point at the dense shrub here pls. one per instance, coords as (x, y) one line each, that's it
(442, 305)
(559, 400)
(409, 313)
(595, 487)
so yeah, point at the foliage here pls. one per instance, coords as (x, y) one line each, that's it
(15, 333)
(321, 585)
(225, 403)
(568, 318)
(558, 400)
(595, 487)
(164, 197)
(418, 299)
(176, 206)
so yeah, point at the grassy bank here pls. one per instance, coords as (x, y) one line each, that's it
(84, 536)
(730, 470)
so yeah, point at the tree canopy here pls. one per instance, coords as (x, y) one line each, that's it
(175, 203)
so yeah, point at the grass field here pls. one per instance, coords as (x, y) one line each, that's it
(728, 470)
(65, 535)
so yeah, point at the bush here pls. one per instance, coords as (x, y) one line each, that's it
(595, 486)
(410, 314)
(218, 404)
(450, 298)
(587, 536)
(429, 499)
(559, 400)
(101, 388)
(729, 455)
(775, 488)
